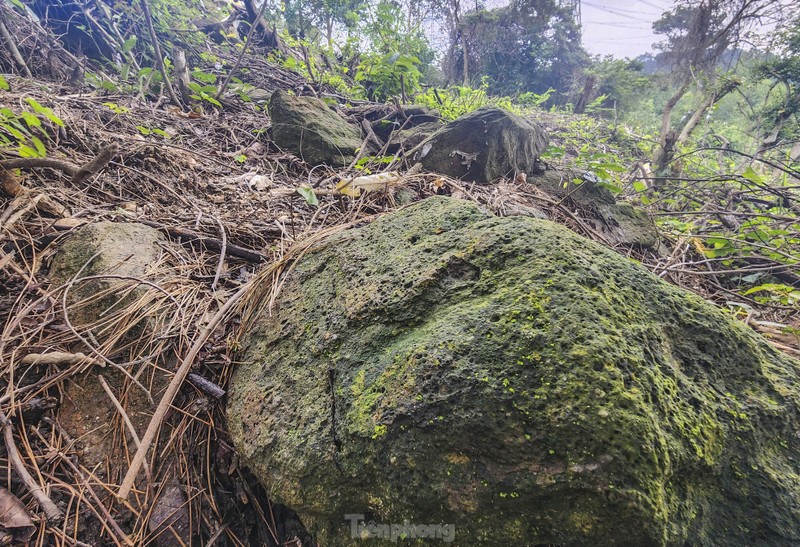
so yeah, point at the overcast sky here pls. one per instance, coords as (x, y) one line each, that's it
(622, 28)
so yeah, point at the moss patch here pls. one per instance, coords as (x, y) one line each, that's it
(519, 381)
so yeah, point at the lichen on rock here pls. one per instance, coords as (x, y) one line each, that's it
(518, 381)
(311, 130)
(483, 146)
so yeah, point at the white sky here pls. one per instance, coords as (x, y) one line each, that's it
(622, 28)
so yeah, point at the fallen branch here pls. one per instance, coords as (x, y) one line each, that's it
(209, 242)
(206, 386)
(12, 47)
(96, 165)
(48, 163)
(78, 173)
(51, 511)
(58, 358)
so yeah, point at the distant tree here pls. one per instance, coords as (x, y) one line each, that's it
(620, 83)
(529, 45)
(321, 16)
(783, 104)
(698, 33)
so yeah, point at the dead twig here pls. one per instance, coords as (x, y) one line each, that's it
(192, 238)
(12, 47)
(247, 41)
(148, 18)
(172, 390)
(51, 511)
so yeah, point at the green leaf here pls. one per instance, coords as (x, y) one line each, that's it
(27, 152)
(30, 119)
(129, 44)
(309, 195)
(117, 109)
(204, 77)
(639, 186)
(4, 84)
(40, 149)
(611, 167)
(752, 176)
(212, 100)
(143, 130)
(46, 112)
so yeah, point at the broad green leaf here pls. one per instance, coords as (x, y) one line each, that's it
(309, 195)
(27, 152)
(30, 119)
(4, 84)
(40, 149)
(129, 44)
(204, 77)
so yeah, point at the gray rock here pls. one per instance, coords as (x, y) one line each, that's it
(130, 251)
(518, 382)
(483, 146)
(312, 131)
(620, 223)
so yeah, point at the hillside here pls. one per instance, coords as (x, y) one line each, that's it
(199, 164)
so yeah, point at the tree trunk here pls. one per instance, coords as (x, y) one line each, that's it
(586, 94)
(465, 58)
(715, 95)
(665, 150)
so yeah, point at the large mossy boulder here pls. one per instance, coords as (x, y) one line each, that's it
(520, 382)
(311, 130)
(483, 146)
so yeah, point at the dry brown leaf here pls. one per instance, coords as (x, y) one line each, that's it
(14, 517)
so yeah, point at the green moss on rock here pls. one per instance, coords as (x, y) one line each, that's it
(520, 382)
(311, 130)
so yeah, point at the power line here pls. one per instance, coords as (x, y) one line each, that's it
(615, 12)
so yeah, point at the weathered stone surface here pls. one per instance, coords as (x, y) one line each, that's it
(620, 223)
(117, 249)
(483, 146)
(407, 139)
(311, 130)
(520, 382)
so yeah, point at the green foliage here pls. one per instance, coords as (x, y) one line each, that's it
(384, 76)
(526, 46)
(621, 85)
(456, 101)
(26, 131)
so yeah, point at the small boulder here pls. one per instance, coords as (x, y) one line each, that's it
(619, 223)
(312, 131)
(483, 146)
(126, 252)
(505, 381)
